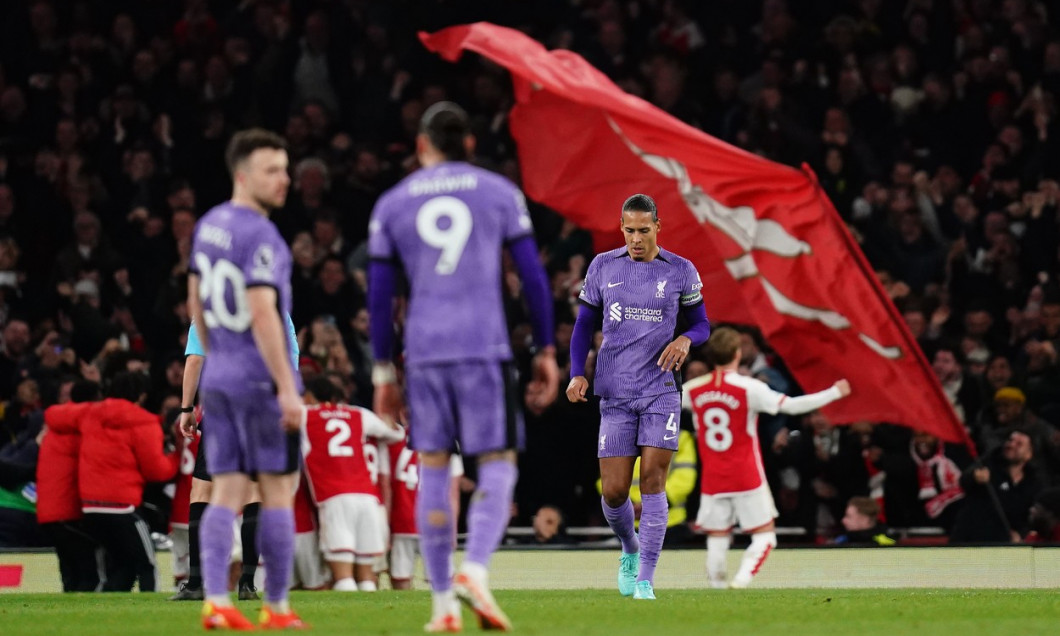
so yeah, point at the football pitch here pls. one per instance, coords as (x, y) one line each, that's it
(859, 612)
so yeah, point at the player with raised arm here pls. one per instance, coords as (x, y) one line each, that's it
(338, 468)
(725, 407)
(239, 287)
(634, 294)
(445, 226)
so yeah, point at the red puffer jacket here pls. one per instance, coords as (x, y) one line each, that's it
(121, 449)
(58, 498)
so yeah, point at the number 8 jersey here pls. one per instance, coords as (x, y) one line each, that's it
(234, 249)
(445, 226)
(725, 408)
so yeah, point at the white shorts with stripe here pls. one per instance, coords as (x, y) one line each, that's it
(351, 529)
(309, 571)
(749, 510)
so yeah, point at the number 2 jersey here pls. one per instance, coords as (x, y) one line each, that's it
(339, 460)
(725, 408)
(445, 226)
(235, 249)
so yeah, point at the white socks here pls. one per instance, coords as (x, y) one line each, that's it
(762, 543)
(717, 552)
(345, 585)
(442, 603)
(366, 586)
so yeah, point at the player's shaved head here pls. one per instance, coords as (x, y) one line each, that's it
(723, 346)
(641, 203)
(446, 126)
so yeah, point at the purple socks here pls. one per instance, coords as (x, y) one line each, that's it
(621, 521)
(276, 544)
(434, 520)
(215, 548)
(653, 516)
(490, 510)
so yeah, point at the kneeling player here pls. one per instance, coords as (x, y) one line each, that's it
(340, 481)
(725, 406)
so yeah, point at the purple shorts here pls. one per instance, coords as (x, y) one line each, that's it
(473, 404)
(626, 424)
(245, 436)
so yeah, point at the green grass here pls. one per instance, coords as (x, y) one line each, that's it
(848, 612)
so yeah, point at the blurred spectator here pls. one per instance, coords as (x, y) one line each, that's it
(862, 525)
(549, 528)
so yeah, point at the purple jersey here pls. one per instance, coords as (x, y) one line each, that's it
(445, 226)
(236, 248)
(639, 302)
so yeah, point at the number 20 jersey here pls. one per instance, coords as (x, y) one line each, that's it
(235, 249)
(725, 408)
(446, 226)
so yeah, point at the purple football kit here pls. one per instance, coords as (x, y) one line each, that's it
(234, 249)
(445, 227)
(639, 302)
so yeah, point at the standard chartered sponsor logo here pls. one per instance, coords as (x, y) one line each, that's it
(643, 314)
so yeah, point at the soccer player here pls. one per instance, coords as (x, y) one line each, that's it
(238, 289)
(197, 485)
(334, 442)
(725, 407)
(445, 226)
(635, 294)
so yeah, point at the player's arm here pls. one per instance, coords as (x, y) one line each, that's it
(382, 286)
(589, 319)
(195, 309)
(768, 401)
(545, 383)
(190, 385)
(271, 340)
(154, 464)
(379, 429)
(695, 314)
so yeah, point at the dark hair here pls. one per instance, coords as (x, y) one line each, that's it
(85, 391)
(245, 142)
(129, 385)
(446, 126)
(641, 203)
(324, 390)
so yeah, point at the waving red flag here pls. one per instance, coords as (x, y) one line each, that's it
(769, 246)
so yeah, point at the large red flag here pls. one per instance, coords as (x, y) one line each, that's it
(769, 246)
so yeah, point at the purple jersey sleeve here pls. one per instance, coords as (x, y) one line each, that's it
(262, 264)
(535, 288)
(691, 290)
(518, 223)
(589, 320)
(590, 293)
(382, 279)
(380, 245)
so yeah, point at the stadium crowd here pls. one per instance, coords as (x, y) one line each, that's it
(932, 124)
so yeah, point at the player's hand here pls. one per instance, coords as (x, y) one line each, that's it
(388, 404)
(291, 410)
(843, 386)
(188, 425)
(544, 385)
(577, 388)
(675, 354)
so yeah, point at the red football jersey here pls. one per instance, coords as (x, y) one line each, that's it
(305, 513)
(179, 514)
(404, 482)
(725, 408)
(338, 460)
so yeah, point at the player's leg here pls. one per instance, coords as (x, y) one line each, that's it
(433, 434)
(756, 512)
(248, 533)
(369, 541)
(717, 517)
(657, 432)
(276, 533)
(403, 549)
(337, 526)
(618, 453)
(201, 488)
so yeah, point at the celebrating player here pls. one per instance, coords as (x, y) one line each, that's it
(340, 480)
(725, 407)
(238, 288)
(445, 225)
(641, 288)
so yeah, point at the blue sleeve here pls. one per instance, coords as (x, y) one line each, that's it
(698, 325)
(580, 341)
(382, 283)
(194, 346)
(535, 288)
(292, 339)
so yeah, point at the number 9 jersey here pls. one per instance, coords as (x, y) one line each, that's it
(445, 227)
(234, 249)
(725, 408)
